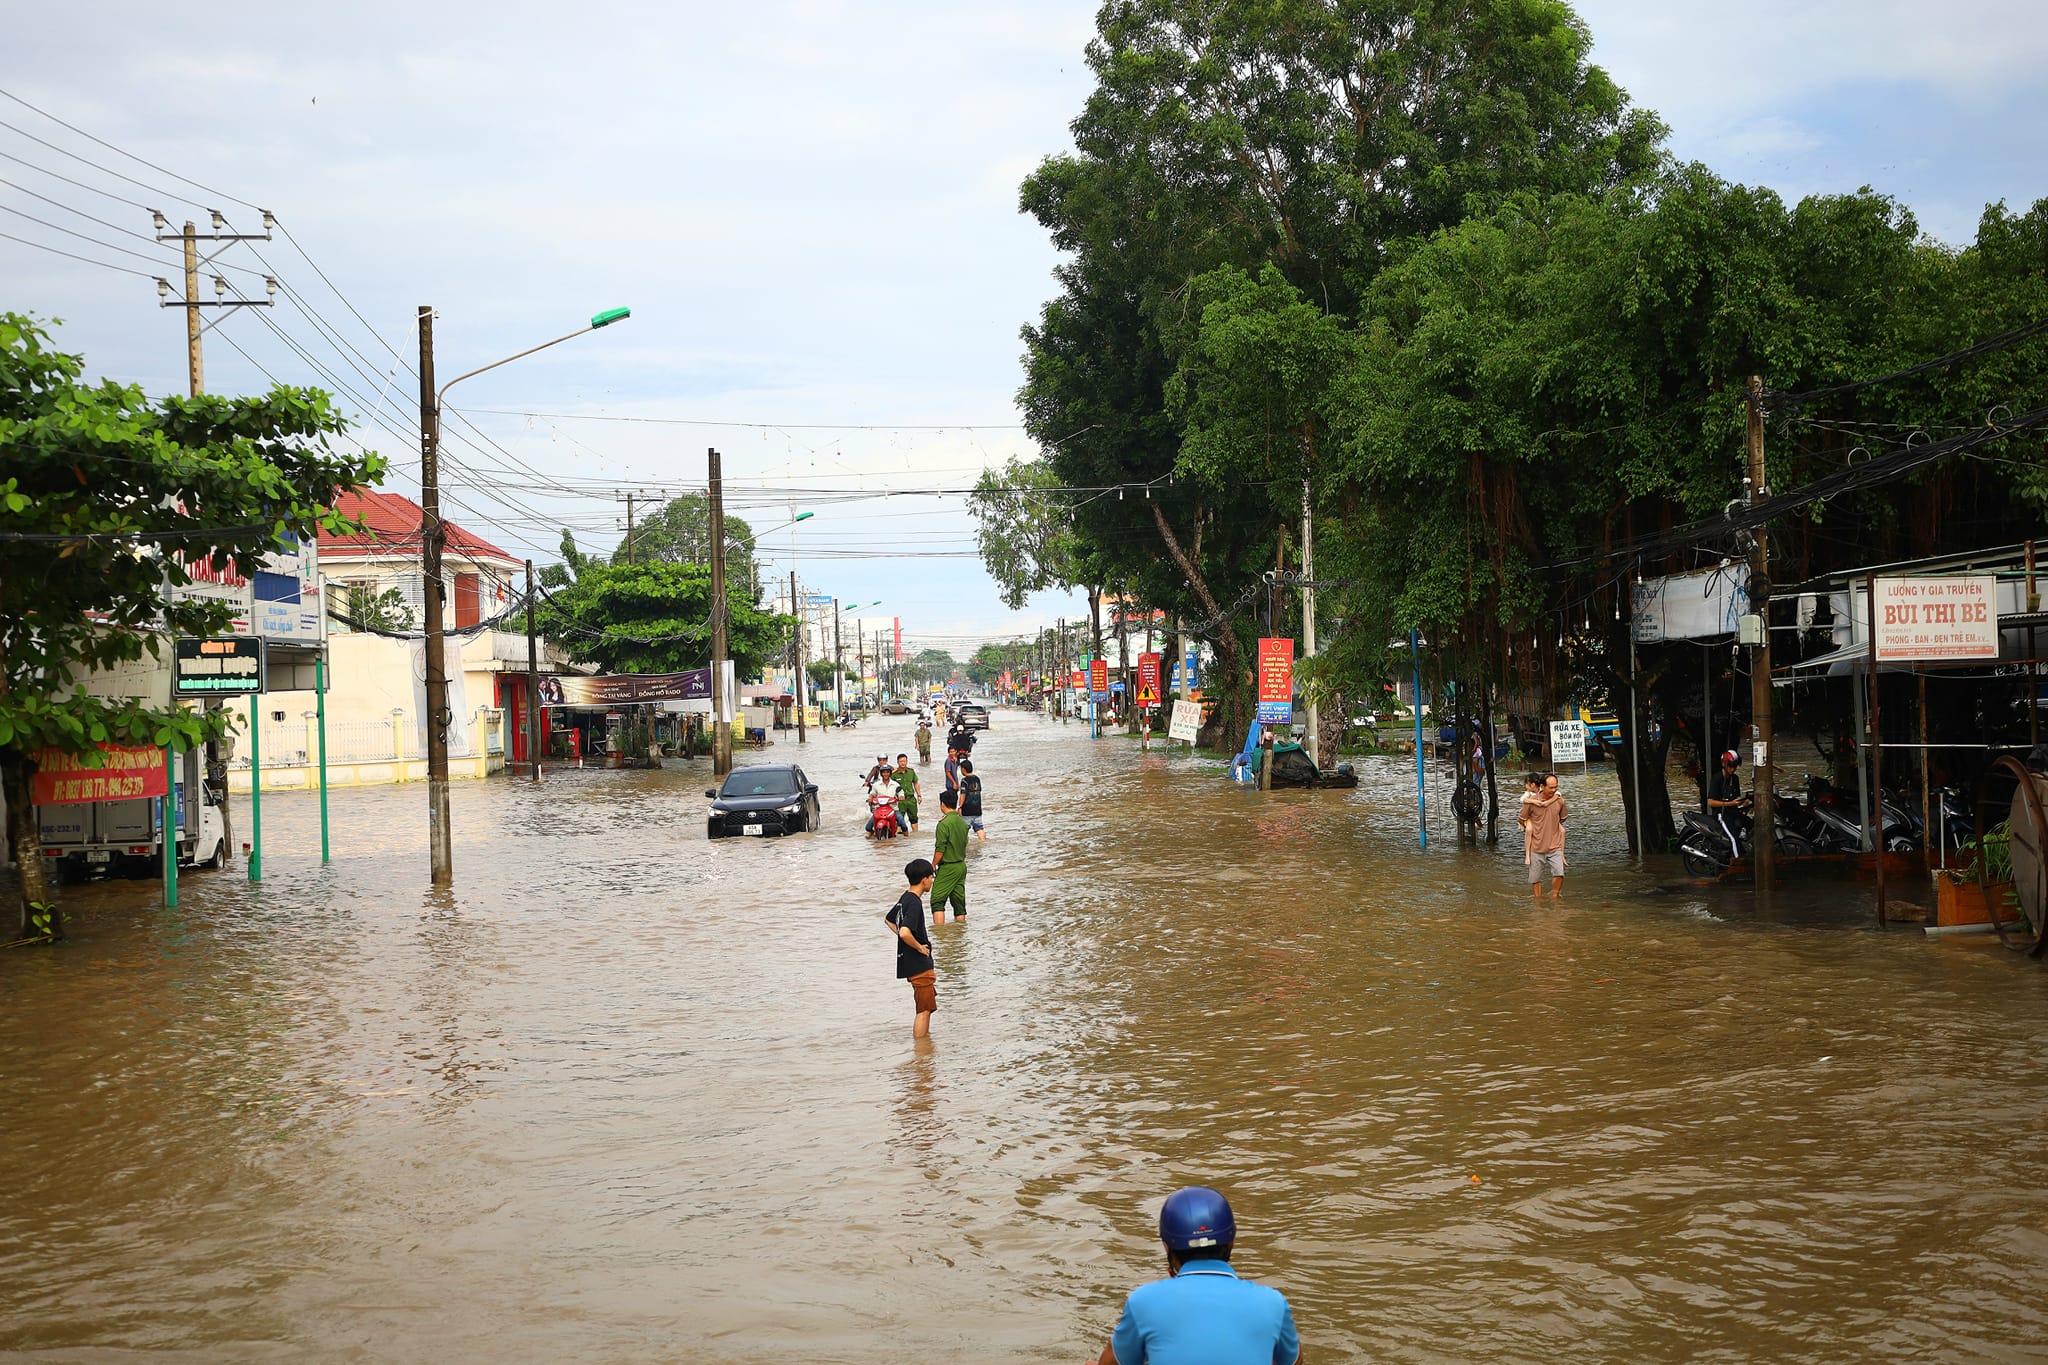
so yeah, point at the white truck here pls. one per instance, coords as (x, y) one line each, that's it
(125, 838)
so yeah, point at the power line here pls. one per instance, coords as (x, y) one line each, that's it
(758, 426)
(104, 265)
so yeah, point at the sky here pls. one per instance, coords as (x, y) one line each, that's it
(810, 207)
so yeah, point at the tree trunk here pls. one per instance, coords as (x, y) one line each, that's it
(25, 839)
(1492, 778)
(1229, 653)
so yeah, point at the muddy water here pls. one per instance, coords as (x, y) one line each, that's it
(628, 1095)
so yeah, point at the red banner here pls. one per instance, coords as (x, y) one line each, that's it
(1098, 676)
(1077, 680)
(1148, 680)
(1276, 681)
(129, 772)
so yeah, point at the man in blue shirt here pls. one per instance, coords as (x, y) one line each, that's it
(1202, 1313)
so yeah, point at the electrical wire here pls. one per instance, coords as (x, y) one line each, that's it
(104, 265)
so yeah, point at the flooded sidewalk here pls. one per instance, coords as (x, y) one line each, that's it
(627, 1094)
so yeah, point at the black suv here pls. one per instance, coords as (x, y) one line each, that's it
(767, 798)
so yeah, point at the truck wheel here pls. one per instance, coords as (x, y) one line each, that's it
(218, 858)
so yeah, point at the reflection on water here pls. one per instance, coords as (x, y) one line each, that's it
(626, 1094)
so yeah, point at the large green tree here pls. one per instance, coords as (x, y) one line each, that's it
(679, 532)
(108, 500)
(1240, 168)
(654, 618)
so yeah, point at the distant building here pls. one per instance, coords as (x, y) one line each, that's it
(478, 580)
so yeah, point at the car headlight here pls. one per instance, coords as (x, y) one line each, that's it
(792, 808)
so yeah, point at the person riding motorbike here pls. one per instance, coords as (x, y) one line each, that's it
(1724, 794)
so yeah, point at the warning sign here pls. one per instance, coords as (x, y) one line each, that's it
(1276, 681)
(1148, 679)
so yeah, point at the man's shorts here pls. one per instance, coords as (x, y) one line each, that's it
(924, 991)
(1545, 866)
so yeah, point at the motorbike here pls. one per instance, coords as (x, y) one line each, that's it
(1707, 851)
(847, 720)
(1838, 812)
(884, 821)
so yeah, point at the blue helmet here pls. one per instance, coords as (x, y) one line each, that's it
(1196, 1216)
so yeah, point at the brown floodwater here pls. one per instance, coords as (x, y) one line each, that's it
(629, 1095)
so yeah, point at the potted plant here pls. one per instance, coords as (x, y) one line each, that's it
(1966, 893)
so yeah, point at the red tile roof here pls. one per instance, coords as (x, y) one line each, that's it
(391, 527)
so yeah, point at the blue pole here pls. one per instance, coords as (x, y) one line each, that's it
(1421, 805)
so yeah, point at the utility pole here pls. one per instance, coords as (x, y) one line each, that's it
(1308, 621)
(721, 739)
(195, 368)
(629, 528)
(798, 670)
(838, 663)
(191, 237)
(1764, 838)
(433, 537)
(532, 681)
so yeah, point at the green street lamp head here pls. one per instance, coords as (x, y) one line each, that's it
(610, 316)
(805, 516)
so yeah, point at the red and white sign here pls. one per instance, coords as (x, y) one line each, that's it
(1098, 676)
(1935, 618)
(1276, 681)
(127, 772)
(1148, 680)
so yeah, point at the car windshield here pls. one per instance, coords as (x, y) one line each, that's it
(760, 782)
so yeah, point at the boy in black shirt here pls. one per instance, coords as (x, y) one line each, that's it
(913, 946)
(970, 799)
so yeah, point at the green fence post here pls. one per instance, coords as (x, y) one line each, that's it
(170, 828)
(255, 787)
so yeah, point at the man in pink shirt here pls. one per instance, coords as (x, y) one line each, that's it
(1546, 841)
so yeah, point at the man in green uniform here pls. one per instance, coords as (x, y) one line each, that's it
(905, 778)
(949, 861)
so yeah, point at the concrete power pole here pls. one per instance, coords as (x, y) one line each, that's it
(838, 664)
(797, 670)
(532, 681)
(721, 739)
(195, 368)
(1764, 837)
(433, 539)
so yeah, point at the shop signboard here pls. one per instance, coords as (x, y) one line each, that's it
(127, 772)
(1567, 741)
(1186, 721)
(1929, 619)
(618, 689)
(1276, 680)
(221, 666)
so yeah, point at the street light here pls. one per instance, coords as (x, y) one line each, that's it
(434, 537)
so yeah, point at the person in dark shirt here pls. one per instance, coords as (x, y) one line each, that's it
(1724, 796)
(913, 946)
(970, 799)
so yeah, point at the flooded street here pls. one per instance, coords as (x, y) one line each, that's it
(630, 1095)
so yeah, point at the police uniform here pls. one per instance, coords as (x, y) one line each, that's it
(1206, 1315)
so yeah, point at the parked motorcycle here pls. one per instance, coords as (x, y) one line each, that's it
(1706, 849)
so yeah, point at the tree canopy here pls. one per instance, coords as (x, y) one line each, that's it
(109, 502)
(654, 618)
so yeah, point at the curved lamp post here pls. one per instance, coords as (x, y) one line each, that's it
(433, 540)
